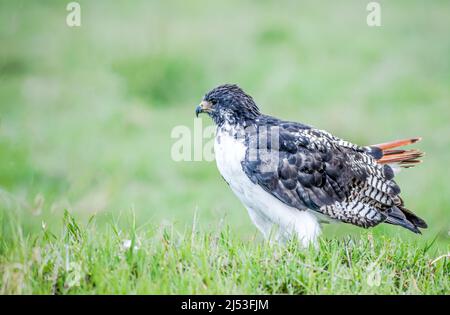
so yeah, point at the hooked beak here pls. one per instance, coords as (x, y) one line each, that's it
(204, 107)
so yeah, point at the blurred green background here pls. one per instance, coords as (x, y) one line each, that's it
(86, 113)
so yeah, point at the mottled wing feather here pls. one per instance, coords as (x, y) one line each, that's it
(311, 169)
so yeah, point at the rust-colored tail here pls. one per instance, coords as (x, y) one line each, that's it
(402, 158)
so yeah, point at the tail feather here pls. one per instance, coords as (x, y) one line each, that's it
(388, 153)
(399, 215)
(414, 219)
(397, 143)
(399, 157)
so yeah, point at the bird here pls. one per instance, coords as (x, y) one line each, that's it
(292, 177)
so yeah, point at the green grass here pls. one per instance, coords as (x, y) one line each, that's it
(86, 116)
(161, 260)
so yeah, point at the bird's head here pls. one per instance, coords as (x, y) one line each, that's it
(228, 103)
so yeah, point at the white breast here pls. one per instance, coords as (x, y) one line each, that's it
(270, 215)
(229, 153)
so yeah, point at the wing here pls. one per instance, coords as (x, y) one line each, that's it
(307, 168)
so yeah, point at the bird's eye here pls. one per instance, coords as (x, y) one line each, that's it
(213, 101)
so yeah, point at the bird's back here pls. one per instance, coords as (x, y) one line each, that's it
(318, 171)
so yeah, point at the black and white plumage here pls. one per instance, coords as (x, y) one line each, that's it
(291, 176)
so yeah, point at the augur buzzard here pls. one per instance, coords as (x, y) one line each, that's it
(291, 176)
